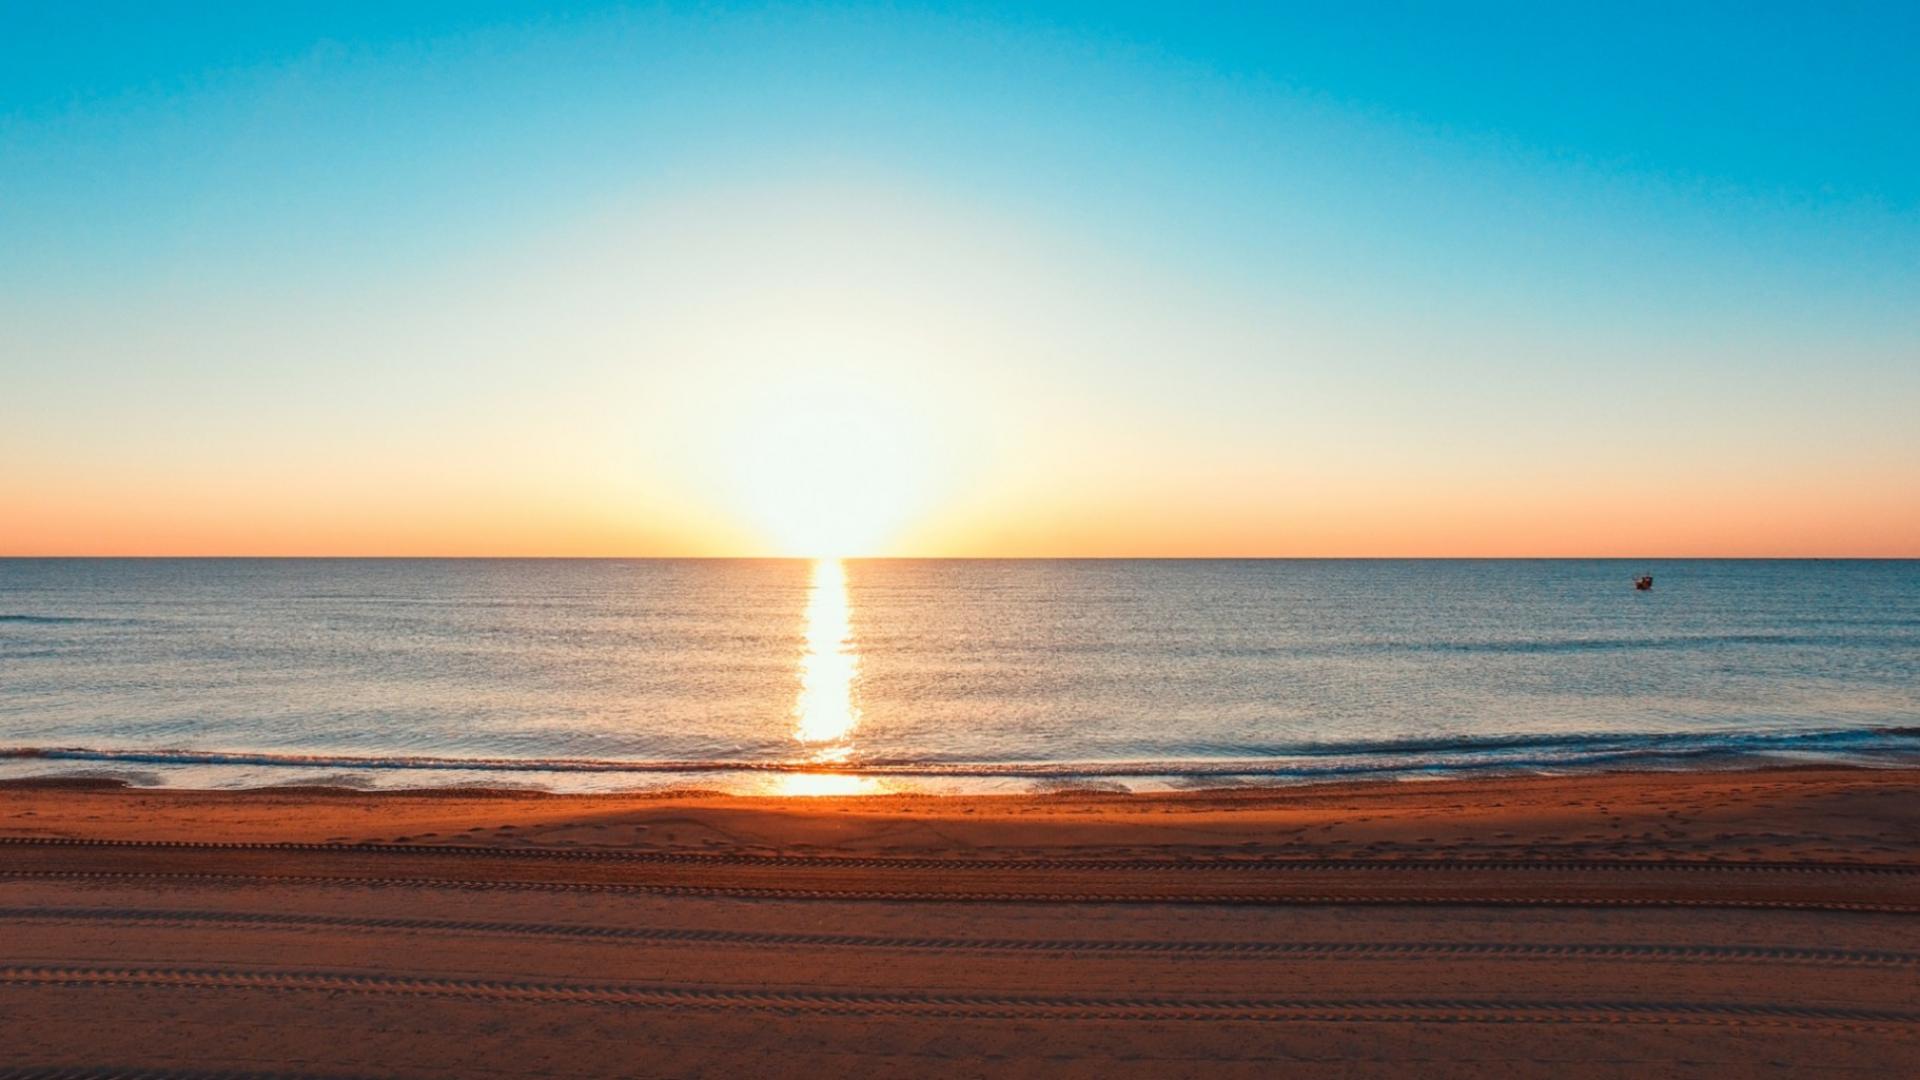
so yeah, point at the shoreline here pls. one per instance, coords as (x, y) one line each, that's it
(1702, 814)
(1411, 761)
(1491, 774)
(1037, 787)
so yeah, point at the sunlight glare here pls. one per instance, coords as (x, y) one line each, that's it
(819, 784)
(824, 713)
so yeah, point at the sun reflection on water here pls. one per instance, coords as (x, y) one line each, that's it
(826, 784)
(824, 714)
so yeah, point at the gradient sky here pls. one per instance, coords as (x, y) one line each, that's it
(1437, 279)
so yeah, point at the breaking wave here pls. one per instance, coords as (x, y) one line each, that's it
(1295, 762)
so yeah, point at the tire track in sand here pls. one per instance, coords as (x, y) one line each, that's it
(915, 863)
(1077, 1007)
(881, 895)
(1341, 950)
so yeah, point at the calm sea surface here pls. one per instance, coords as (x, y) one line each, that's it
(937, 675)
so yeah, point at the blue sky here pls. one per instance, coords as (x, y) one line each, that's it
(1313, 251)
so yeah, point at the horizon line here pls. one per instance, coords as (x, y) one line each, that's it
(985, 558)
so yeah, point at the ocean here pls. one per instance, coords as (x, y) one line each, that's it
(943, 675)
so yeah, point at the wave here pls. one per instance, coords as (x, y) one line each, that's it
(1648, 644)
(1307, 761)
(1213, 650)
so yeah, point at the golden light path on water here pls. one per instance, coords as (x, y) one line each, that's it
(824, 713)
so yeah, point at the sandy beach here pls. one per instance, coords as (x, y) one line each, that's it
(1713, 924)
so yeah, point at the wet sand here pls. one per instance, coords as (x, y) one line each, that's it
(1718, 924)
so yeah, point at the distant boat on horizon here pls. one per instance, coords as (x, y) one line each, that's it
(1644, 582)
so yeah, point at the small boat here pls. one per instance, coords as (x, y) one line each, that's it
(1644, 582)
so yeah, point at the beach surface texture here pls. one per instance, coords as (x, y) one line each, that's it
(1707, 924)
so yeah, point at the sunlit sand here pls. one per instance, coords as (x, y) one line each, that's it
(1474, 927)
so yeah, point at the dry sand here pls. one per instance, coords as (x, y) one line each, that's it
(1717, 924)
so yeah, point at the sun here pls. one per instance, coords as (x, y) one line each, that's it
(829, 467)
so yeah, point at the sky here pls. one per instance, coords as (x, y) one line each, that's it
(960, 280)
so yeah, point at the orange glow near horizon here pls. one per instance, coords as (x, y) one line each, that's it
(835, 464)
(1695, 520)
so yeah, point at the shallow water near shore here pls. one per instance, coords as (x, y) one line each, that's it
(792, 676)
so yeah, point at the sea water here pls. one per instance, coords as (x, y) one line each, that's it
(791, 675)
